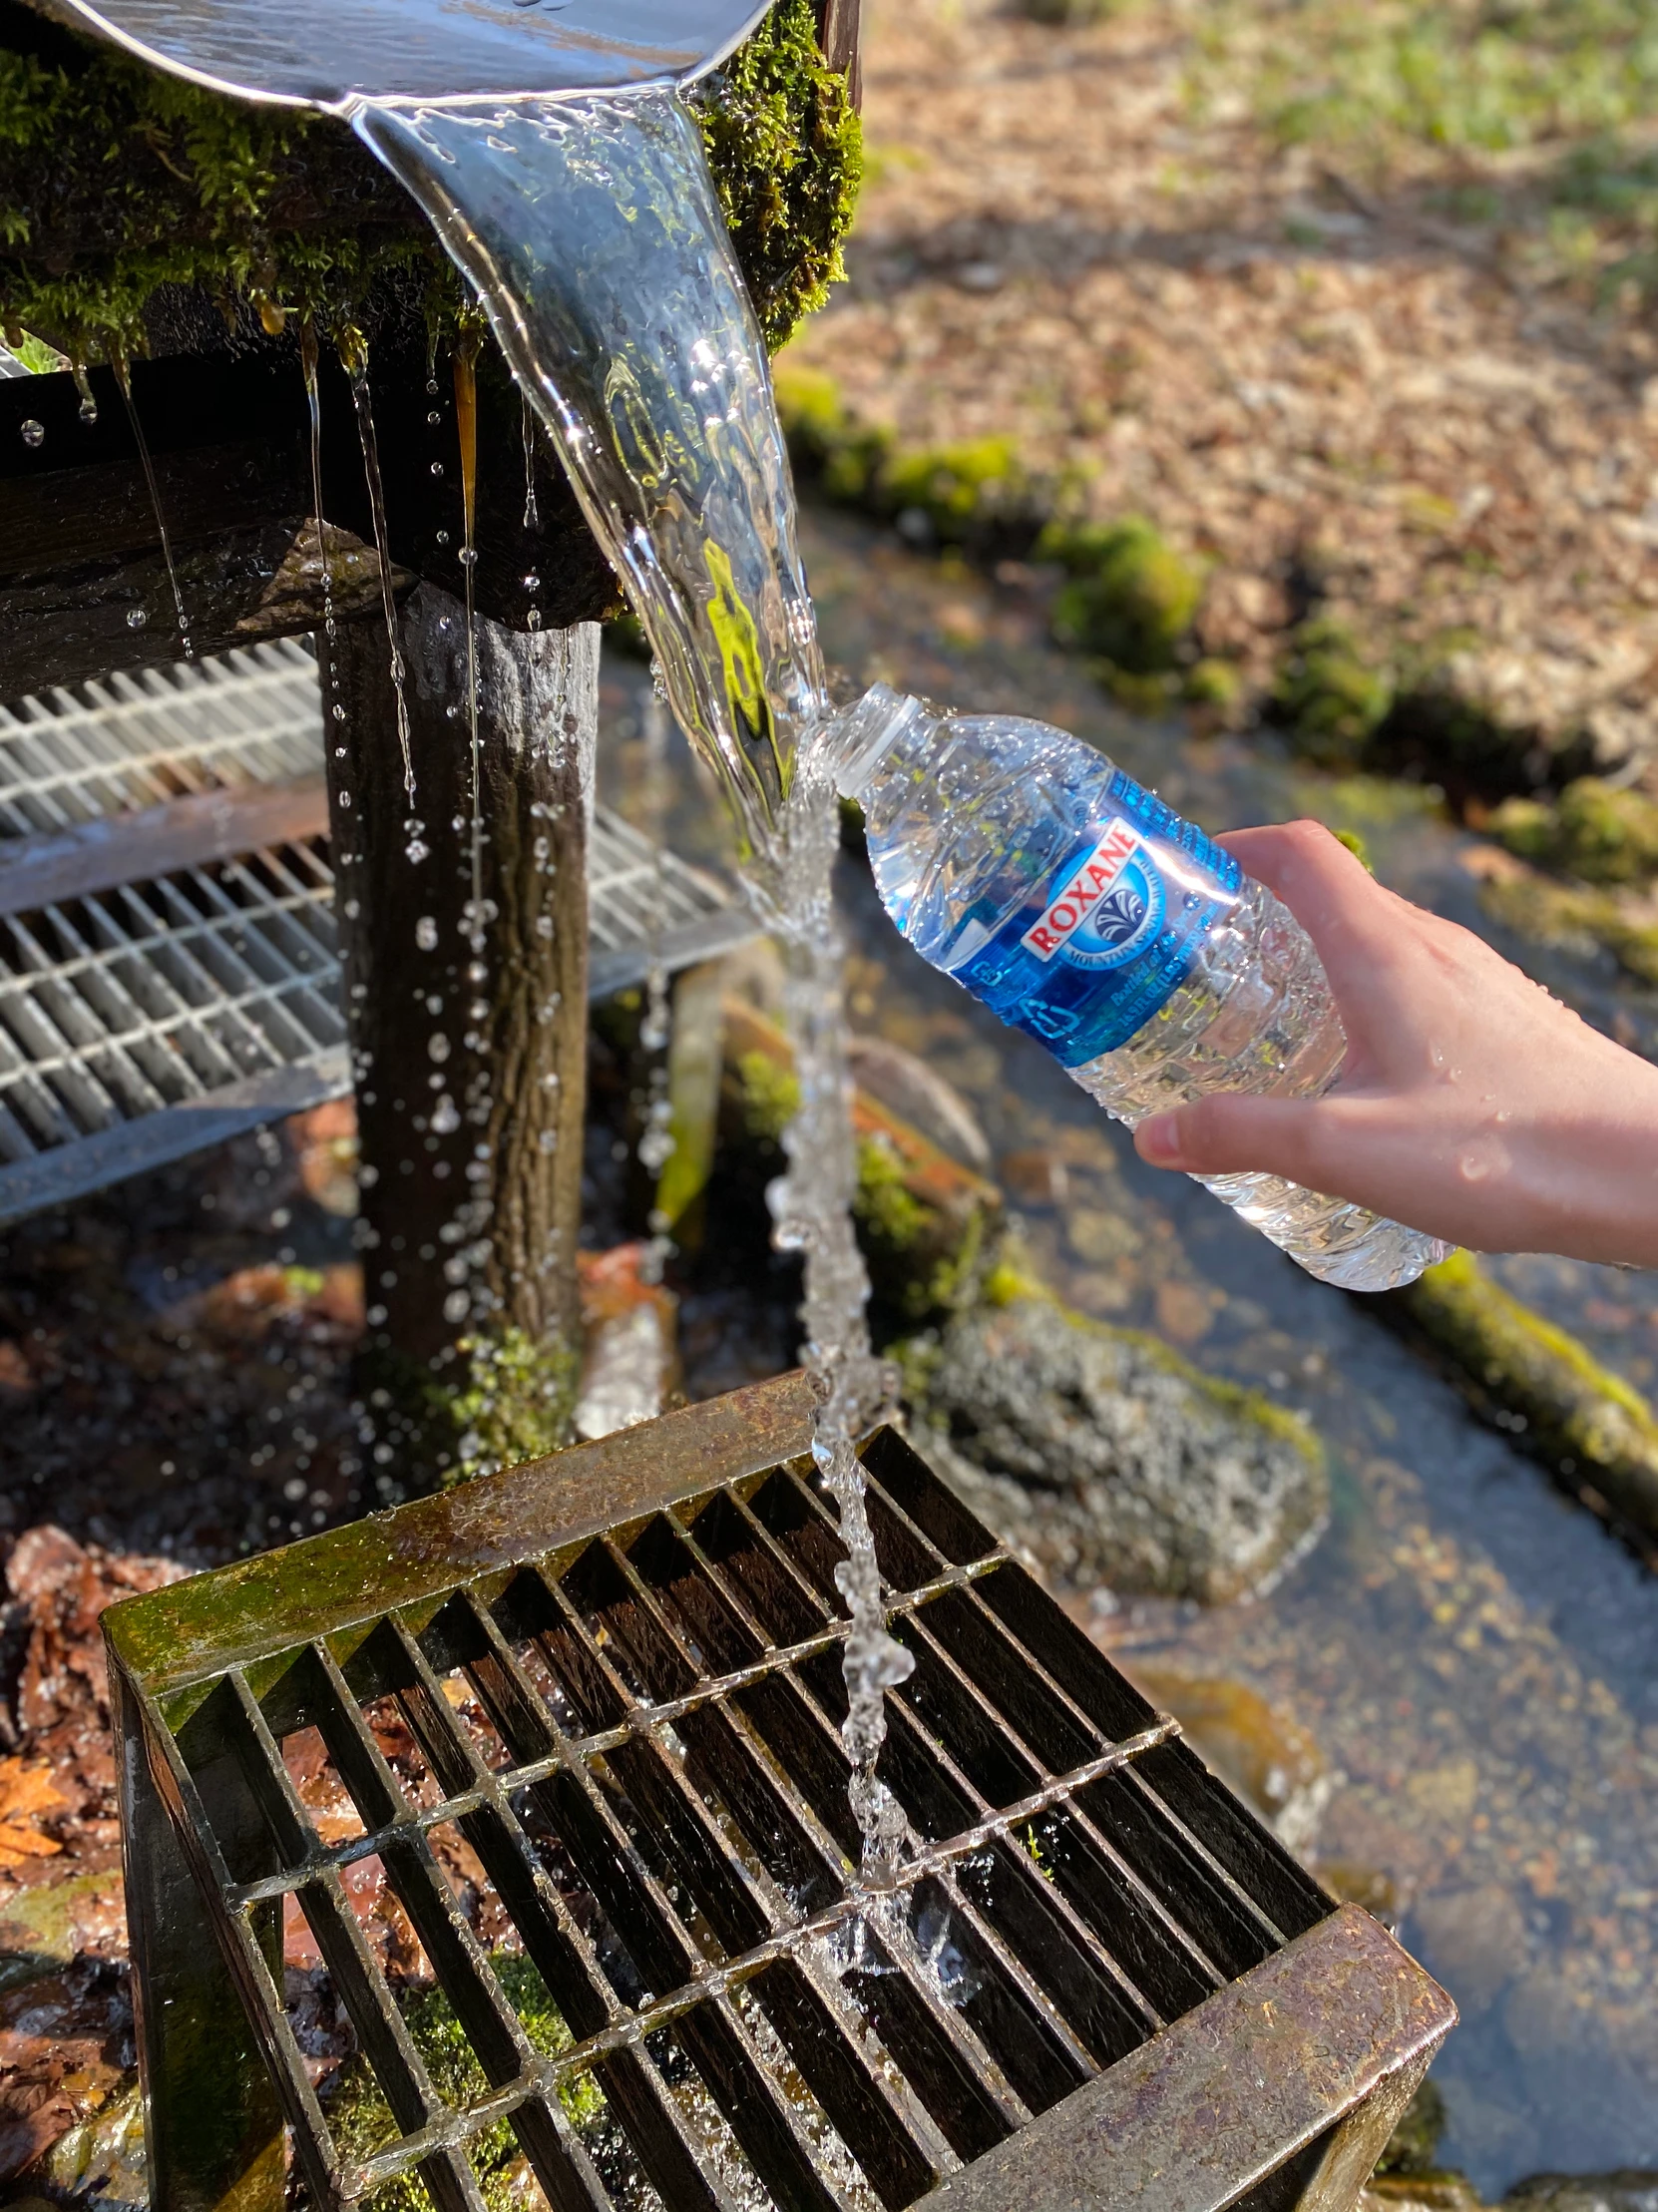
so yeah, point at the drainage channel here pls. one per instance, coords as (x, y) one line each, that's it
(168, 968)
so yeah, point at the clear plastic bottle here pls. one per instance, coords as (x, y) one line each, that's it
(1077, 907)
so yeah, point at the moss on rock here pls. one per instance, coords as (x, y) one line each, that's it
(116, 179)
(1570, 913)
(1588, 1425)
(1106, 1455)
(1594, 831)
(1329, 697)
(1132, 597)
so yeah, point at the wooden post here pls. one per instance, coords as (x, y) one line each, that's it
(468, 1022)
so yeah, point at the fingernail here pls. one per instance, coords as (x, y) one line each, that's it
(1159, 1139)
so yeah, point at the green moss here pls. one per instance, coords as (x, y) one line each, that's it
(1354, 840)
(1587, 1423)
(787, 153)
(1413, 2147)
(1132, 598)
(518, 1402)
(963, 490)
(1329, 697)
(361, 2123)
(1567, 914)
(116, 179)
(770, 1097)
(1212, 681)
(500, 1400)
(1596, 832)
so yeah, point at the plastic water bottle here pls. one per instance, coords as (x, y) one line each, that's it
(1077, 907)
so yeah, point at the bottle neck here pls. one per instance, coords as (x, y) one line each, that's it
(873, 735)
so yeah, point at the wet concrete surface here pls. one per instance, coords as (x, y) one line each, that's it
(1474, 1656)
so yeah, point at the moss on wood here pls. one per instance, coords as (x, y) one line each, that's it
(116, 179)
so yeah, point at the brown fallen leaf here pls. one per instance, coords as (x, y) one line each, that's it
(26, 1791)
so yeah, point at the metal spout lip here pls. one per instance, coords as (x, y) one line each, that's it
(338, 56)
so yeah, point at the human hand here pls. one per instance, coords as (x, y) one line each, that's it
(1471, 1106)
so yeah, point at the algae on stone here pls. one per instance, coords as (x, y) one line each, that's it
(1105, 1456)
(1586, 1423)
(1594, 831)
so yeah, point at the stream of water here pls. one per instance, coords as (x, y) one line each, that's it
(591, 233)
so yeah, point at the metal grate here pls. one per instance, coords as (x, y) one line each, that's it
(632, 1734)
(141, 1020)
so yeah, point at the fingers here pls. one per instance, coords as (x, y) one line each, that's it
(1351, 918)
(1234, 1134)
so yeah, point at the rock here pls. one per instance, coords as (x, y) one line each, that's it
(917, 1094)
(1034, 1178)
(1630, 2189)
(1105, 1457)
(1473, 1940)
(1267, 1757)
(104, 2156)
(630, 1361)
(1421, 2193)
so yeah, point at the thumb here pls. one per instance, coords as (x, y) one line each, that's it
(1234, 1134)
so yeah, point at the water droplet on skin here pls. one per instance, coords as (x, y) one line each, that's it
(34, 433)
(135, 617)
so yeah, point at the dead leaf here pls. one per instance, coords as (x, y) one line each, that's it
(26, 1791)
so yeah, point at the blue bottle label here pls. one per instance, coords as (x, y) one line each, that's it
(1107, 938)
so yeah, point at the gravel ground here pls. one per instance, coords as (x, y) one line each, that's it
(1399, 384)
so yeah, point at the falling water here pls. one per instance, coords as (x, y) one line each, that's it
(354, 356)
(591, 233)
(124, 378)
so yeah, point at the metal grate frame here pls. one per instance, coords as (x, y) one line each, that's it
(141, 1020)
(620, 1673)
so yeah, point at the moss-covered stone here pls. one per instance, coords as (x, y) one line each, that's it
(1594, 831)
(1329, 697)
(1588, 1425)
(1570, 913)
(116, 179)
(361, 2121)
(1132, 597)
(922, 1218)
(1104, 1455)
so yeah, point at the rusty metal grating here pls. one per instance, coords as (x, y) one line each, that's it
(144, 1018)
(633, 1730)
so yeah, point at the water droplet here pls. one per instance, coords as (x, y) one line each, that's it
(89, 410)
(337, 711)
(452, 713)
(434, 418)
(443, 537)
(531, 583)
(135, 617)
(432, 386)
(426, 934)
(345, 799)
(445, 1121)
(438, 1046)
(416, 850)
(437, 468)
(34, 433)
(469, 557)
(533, 617)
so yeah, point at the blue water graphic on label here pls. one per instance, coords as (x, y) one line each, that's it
(1110, 935)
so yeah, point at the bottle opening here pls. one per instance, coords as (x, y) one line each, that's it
(861, 738)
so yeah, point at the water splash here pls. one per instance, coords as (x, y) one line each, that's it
(591, 233)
